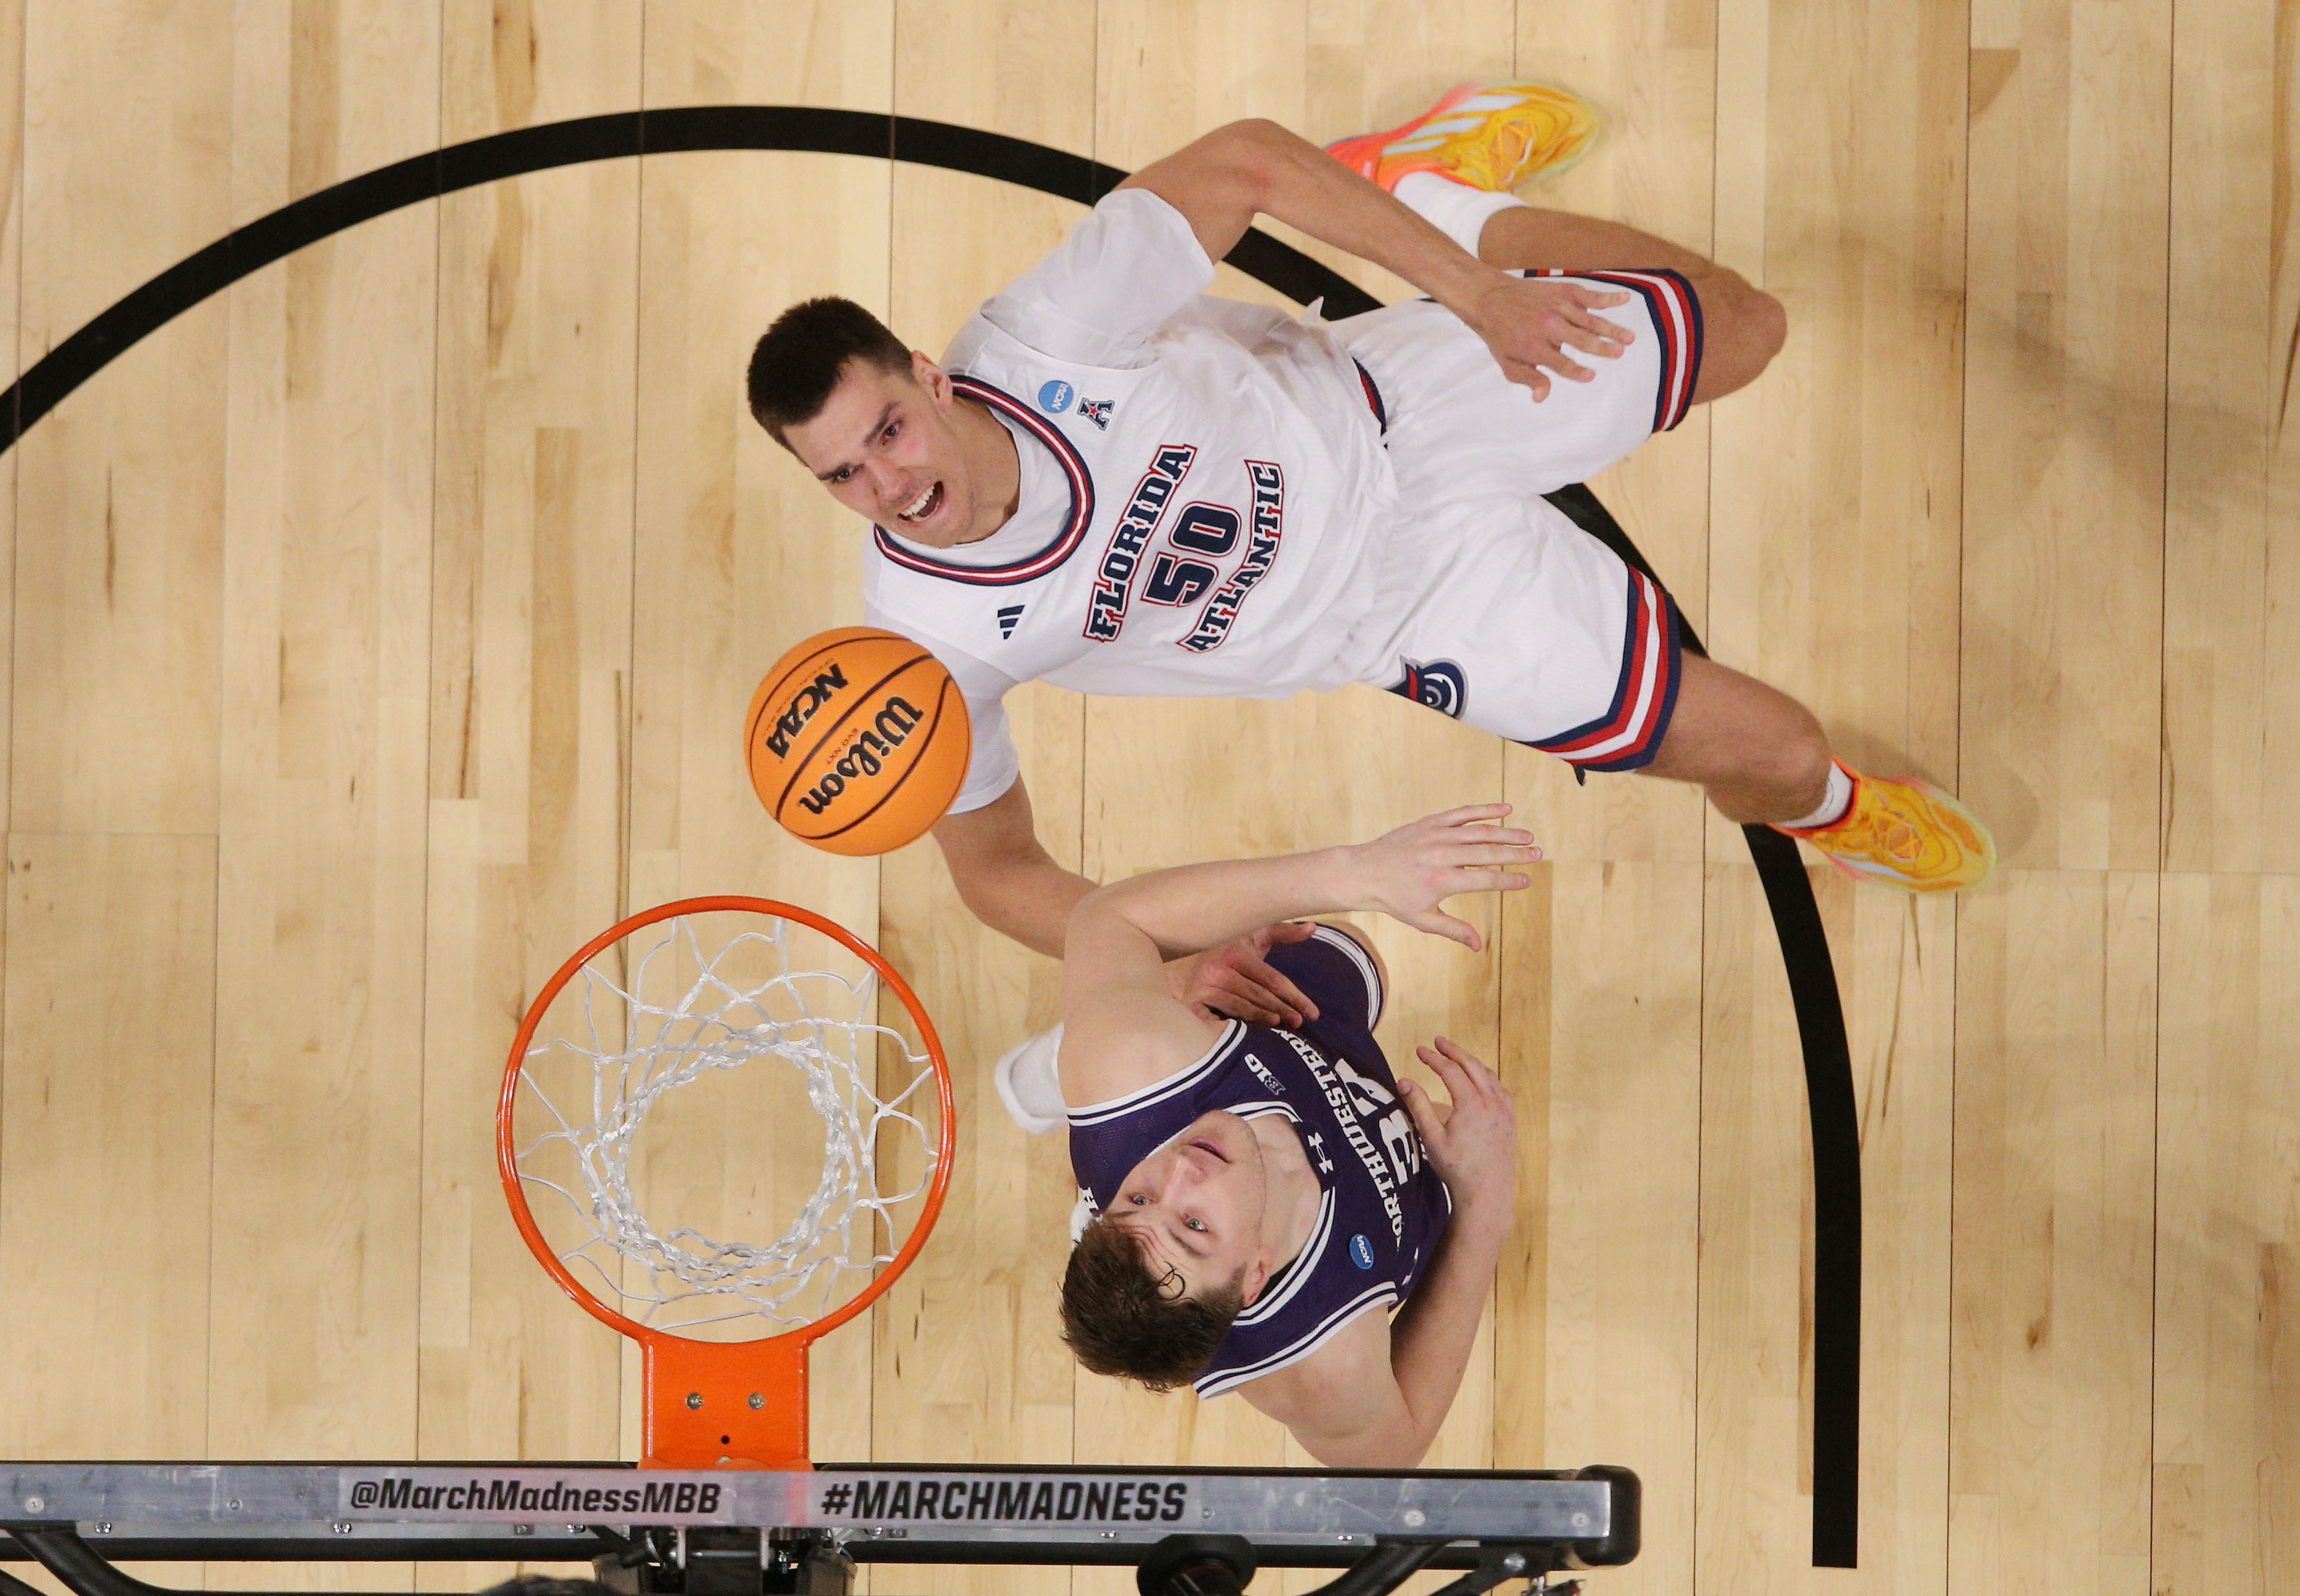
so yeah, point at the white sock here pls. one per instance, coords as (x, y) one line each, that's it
(1835, 800)
(1454, 209)
(1030, 1084)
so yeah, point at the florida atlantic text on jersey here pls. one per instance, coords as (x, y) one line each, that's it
(1207, 507)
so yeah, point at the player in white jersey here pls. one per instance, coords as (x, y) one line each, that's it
(1117, 484)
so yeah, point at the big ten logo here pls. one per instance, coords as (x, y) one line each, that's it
(864, 753)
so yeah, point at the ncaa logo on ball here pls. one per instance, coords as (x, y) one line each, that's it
(1361, 1252)
(1055, 396)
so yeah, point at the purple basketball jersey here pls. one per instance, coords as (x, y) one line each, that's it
(1383, 1208)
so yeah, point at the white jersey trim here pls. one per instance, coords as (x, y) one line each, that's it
(1364, 961)
(1380, 1295)
(1158, 1091)
(1304, 1265)
(1030, 567)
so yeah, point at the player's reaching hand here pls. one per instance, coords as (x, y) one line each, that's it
(1472, 1140)
(1528, 323)
(1234, 980)
(1408, 872)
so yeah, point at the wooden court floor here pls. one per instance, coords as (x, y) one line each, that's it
(380, 628)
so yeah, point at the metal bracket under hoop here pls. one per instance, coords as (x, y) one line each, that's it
(738, 1562)
(801, 1532)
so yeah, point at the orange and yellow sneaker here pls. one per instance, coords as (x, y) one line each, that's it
(1906, 833)
(1492, 136)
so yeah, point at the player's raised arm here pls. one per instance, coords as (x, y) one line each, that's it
(1375, 1395)
(1220, 182)
(1405, 873)
(1118, 1004)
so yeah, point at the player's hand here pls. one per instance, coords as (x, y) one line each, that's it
(1472, 1140)
(1234, 981)
(1528, 323)
(1407, 873)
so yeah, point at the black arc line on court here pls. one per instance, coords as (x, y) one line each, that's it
(1788, 894)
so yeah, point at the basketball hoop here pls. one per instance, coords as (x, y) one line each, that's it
(723, 1027)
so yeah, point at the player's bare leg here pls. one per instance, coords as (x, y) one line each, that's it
(1759, 754)
(1763, 759)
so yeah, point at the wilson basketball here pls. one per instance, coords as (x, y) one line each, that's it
(857, 740)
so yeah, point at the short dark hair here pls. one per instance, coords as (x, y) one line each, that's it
(1119, 1318)
(797, 361)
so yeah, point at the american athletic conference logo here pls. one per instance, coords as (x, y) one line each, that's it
(1439, 684)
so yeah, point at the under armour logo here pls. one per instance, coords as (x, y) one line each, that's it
(1318, 1150)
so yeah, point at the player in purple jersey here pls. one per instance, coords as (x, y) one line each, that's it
(1263, 1193)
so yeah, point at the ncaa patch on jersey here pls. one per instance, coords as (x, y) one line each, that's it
(1361, 1252)
(1054, 395)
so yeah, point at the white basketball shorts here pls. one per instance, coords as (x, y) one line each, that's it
(1494, 607)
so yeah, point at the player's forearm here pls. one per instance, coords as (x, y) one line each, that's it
(1256, 167)
(1191, 908)
(1305, 187)
(1005, 876)
(1028, 899)
(1431, 1337)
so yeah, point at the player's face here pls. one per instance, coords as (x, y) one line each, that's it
(1198, 1203)
(884, 445)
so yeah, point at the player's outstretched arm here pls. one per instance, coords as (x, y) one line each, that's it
(1121, 1015)
(1223, 181)
(1376, 1394)
(1405, 873)
(1009, 881)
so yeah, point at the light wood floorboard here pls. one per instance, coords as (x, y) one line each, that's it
(380, 628)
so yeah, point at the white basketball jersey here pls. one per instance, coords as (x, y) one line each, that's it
(1202, 482)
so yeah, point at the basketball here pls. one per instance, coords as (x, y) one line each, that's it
(857, 740)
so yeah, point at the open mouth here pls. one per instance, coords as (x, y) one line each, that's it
(922, 507)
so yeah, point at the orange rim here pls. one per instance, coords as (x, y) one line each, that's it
(506, 1160)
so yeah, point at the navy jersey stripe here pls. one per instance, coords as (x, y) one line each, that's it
(1676, 312)
(1628, 733)
(1031, 568)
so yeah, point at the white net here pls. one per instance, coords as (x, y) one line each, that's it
(715, 1054)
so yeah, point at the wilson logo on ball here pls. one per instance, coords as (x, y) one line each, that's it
(857, 740)
(867, 755)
